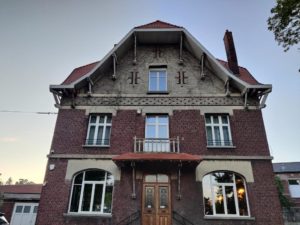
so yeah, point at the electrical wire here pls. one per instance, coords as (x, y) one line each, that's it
(18, 111)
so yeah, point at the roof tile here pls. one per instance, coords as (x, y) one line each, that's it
(157, 24)
(22, 189)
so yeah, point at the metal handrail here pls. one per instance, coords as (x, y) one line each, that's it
(130, 219)
(180, 219)
(156, 145)
(219, 143)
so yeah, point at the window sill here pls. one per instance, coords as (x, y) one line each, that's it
(96, 146)
(228, 218)
(220, 146)
(157, 92)
(87, 215)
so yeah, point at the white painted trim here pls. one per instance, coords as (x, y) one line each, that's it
(75, 166)
(241, 167)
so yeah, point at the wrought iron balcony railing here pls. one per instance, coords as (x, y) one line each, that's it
(156, 145)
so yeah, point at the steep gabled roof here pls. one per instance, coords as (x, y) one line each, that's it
(79, 72)
(164, 33)
(157, 24)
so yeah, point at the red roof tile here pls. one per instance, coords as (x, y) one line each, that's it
(79, 72)
(156, 156)
(157, 24)
(244, 75)
(22, 189)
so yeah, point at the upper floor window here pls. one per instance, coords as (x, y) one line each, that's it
(225, 194)
(157, 133)
(294, 187)
(158, 80)
(218, 130)
(99, 130)
(92, 192)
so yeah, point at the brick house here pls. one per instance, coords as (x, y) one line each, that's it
(289, 174)
(19, 203)
(160, 132)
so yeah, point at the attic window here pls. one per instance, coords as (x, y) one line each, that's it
(158, 82)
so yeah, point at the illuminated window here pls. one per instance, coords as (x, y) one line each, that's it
(225, 194)
(92, 192)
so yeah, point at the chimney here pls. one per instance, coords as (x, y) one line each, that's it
(230, 52)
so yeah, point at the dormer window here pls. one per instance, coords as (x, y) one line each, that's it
(158, 80)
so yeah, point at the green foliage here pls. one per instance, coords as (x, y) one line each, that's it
(284, 201)
(285, 22)
(23, 181)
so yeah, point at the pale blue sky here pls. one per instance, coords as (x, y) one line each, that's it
(42, 41)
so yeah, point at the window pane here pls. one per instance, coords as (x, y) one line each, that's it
(222, 177)
(86, 200)
(294, 182)
(97, 198)
(209, 136)
(108, 119)
(75, 198)
(242, 197)
(35, 209)
(109, 180)
(150, 119)
(99, 135)
(26, 209)
(163, 119)
(162, 178)
(93, 119)
(207, 194)
(207, 119)
(226, 136)
(91, 135)
(163, 197)
(163, 132)
(149, 198)
(101, 118)
(224, 119)
(19, 209)
(153, 82)
(107, 136)
(108, 199)
(150, 131)
(78, 179)
(95, 175)
(216, 119)
(217, 136)
(162, 81)
(219, 200)
(150, 178)
(230, 200)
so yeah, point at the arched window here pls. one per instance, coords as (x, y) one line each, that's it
(225, 194)
(92, 192)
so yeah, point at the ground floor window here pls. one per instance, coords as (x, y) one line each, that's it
(225, 194)
(92, 192)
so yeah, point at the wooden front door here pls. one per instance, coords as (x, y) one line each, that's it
(156, 205)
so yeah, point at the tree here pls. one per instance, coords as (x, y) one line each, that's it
(284, 201)
(285, 23)
(23, 181)
(9, 181)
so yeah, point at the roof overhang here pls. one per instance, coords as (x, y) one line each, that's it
(164, 36)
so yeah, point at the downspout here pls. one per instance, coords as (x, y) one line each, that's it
(91, 83)
(134, 51)
(264, 99)
(133, 195)
(180, 50)
(179, 181)
(114, 65)
(246, 98)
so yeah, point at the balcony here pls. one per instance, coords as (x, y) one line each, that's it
(156, 145)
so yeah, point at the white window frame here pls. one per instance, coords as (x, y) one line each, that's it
(220, 125)
(166, 144)
(233, 184)
(97, 124)
(92, 196)
(158, 78)
(294, 192)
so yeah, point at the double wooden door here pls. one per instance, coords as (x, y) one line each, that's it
(156, 205)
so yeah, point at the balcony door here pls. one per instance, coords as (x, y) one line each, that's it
(157, 134)
(156, 206)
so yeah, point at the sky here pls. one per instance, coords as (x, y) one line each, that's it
(41, 42)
